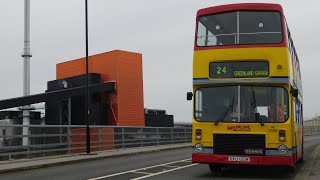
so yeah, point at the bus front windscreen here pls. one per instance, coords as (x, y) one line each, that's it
(239, 27)
(240, 104)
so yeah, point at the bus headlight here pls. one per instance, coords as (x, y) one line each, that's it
(198, 147)
(282, 149)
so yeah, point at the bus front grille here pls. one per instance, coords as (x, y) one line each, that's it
(239, 144)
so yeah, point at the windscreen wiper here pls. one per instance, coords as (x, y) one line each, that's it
(257, 115)
(225, 113)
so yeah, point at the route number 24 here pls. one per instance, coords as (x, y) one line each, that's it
(221, 70)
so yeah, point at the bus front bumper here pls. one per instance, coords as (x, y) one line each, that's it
(241, 159)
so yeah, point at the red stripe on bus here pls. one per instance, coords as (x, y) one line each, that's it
(254, 160)
(283, 44)
(240, 6)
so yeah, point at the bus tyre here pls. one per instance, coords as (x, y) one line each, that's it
(301, 159)
(292, 169)
(214, 168)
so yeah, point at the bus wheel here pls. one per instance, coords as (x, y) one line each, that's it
(292, 169)
(301, 159)
(214, 168)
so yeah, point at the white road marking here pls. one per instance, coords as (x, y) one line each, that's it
(162, 172)
(139, 172)
(171, 166)
(143, 169)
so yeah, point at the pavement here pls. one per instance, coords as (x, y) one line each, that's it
(27, 164)
(315, 170)
(311, 168)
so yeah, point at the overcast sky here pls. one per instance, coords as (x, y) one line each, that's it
(162, 30)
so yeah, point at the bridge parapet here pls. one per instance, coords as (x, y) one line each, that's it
(311, 130)
(46, 140)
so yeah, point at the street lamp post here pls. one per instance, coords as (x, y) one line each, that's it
(87, 82)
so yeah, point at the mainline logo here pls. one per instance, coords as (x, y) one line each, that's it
(239, 128)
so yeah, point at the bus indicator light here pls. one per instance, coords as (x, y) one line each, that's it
(282, 135)
(198, 134)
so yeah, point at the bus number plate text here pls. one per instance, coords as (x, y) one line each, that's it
(239, 159)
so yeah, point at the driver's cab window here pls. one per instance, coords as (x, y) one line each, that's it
(270, 103)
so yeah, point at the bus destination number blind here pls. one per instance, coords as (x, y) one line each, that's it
(252, 69)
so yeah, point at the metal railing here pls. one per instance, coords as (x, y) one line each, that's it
(45, 140)
(311, 130)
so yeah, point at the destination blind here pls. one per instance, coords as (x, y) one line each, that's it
(243, 69)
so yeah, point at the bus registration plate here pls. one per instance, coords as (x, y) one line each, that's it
(239, 159)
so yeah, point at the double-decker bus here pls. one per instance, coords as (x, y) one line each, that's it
(247, 90)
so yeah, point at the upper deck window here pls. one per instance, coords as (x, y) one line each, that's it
(240, 27)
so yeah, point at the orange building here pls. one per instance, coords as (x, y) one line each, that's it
(126, 105)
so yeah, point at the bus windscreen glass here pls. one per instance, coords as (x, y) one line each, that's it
(238, 104)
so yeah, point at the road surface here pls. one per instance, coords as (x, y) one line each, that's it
(169, 164)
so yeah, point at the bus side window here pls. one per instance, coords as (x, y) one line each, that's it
(198, 105)
(301, 114)
(298, 112)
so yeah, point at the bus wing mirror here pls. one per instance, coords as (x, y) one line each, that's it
(189, 96)
(294, 92)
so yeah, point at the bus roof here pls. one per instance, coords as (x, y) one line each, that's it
(241, 6)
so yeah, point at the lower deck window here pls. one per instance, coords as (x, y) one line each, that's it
(241, 103)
